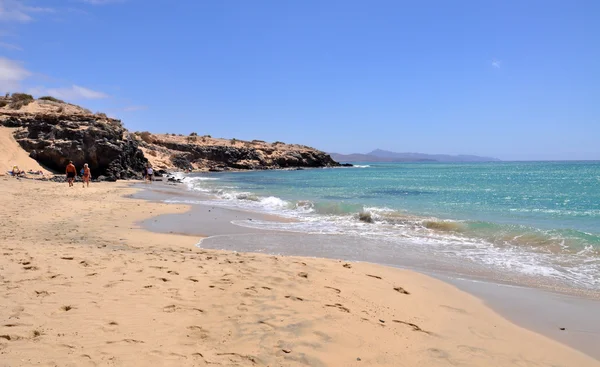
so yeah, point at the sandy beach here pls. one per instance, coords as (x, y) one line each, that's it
(84, 284)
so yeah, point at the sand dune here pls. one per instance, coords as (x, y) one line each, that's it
(12, 154)
(83, 285)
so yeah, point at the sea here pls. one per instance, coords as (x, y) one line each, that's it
(535, 223)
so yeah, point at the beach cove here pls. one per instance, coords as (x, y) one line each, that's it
(85, 284)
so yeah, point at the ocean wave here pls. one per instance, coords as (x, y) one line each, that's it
(565, 254)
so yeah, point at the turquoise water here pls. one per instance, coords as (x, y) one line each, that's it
(540, 218)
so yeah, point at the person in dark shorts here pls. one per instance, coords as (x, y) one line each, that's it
(150, 173)
(71, 172)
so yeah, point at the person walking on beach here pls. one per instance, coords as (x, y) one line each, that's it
(150, 173)
(87, 175)
(71, 172)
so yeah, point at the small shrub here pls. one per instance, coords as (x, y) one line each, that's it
(18, 104)
(101, 115)
(50, 98)
(194, 134)
(147, 137)
(233, 141)
(192, 138)
(3, 103)
(207, 136)
(22, 97)
(255, 141)
(278, 142)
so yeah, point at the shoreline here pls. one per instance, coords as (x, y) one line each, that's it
(544, 307)
(89, 286)
(506, 252)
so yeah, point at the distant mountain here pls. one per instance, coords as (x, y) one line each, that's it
(379, 155)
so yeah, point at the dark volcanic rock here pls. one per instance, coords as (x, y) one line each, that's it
(223, 157)
(103, 143)
(182, 161)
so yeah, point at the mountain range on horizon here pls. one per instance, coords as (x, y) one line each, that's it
(379, 155)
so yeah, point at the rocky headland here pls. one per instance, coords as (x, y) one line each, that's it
(54, 132)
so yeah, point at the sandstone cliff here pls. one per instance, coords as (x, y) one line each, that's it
(54, 132)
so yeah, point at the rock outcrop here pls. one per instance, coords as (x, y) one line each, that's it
(206, 153)
(54, 132)
(53, 138)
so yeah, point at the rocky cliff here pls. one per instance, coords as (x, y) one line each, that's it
(207, 153)
(54, 132)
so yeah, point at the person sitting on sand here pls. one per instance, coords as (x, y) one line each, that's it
(15, 171)
(71, 172)
(87, 175)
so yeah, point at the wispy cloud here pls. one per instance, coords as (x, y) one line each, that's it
(135, 108)
(74, 93)
(10, 46)
(496, 63)
(12, 73)
(16, 11)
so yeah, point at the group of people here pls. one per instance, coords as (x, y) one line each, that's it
(16, 172)
(86, 174)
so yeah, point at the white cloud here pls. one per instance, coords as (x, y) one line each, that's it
(11, 74)
(10, 46)
(496, 63)
(73, 93)
(16, 11)
(135, 108)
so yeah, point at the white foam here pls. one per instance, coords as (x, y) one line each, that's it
(407, 231)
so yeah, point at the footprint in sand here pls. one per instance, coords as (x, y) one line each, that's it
(401, 290)
(340, 307)
(415, 327)
(197, 332)
(170, 308)
(335, 289)
(374, 276)
(294, 298)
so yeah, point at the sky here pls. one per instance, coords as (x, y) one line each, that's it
(512, 79)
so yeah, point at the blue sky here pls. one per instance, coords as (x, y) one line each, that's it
(511, 79)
